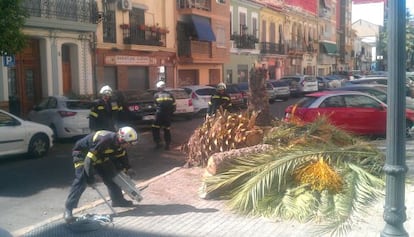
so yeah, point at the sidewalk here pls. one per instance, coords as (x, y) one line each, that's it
(178, 211)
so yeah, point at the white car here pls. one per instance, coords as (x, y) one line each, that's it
(183, 101)
(67, 118)
(200, 95)
(19, 136)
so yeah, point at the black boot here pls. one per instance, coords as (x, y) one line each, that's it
(122, 203)
(68, 216)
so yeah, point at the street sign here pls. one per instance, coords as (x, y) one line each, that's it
(9, 61)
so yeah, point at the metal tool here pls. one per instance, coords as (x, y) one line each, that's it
(128, 186)
(103, 197)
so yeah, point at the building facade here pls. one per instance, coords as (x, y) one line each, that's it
(57, 59)
(244, 39)
(203, 41)
(135, 44)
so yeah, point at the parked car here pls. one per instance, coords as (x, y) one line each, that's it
(281, 89)
(236, 96)
(270, 91)
(19, 136)
(200, 96)
(381, 81)
(138, 107)
(353, 111)
(67, 118)
(184, 103)
(377, 90)
(301, 84)
(328, 82)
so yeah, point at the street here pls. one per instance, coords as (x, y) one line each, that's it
(34, 190)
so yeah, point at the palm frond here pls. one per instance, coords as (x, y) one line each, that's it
(362, 190)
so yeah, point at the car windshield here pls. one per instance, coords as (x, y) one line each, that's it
(205, 91)
(309, 79)
(232, 89)
(279, 83)
(72, 104)
(133, 95)
(244, 86)
(179, 94)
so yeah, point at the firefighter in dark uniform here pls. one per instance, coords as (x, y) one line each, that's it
(102, 152)
(219, 99)
(165, 108)
(104, 114)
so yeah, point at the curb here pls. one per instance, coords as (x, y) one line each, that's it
(27, 229)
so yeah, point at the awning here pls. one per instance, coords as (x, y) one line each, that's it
(203, 28)
(330, 48)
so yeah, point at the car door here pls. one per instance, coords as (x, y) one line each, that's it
(41, 113)
(366, 115)
(12, 138)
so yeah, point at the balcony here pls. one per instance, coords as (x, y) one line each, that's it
(144, 35)
(80, 15)
(244, 41)
(196, 50)
(271, 48)
(204, 5)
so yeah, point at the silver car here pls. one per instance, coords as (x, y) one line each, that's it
(301, 84)
(66, 117)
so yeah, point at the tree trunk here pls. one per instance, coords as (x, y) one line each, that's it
(259, 101)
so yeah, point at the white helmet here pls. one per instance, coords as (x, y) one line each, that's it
(161, 84)
(128, 135)
(106, 90)
(221, 86)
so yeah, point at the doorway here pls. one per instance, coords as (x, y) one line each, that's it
(24, 79)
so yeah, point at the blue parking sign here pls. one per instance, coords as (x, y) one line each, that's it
(9, 61)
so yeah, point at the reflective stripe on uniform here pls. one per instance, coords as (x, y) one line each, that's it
(78, 164)
(93, 114)
(161, 99)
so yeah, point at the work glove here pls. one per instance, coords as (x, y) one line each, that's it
(131, 173)
(90, 177)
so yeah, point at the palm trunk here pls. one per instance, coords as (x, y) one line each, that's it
(259, 101)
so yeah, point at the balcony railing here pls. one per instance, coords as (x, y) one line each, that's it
(244, 41)
(197, 4)
(143, 35)
(271, 48)
(69, 10)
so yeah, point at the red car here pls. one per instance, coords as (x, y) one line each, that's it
(353, 111)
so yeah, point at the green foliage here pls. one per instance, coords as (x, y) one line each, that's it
(264, 184)
(12, 19)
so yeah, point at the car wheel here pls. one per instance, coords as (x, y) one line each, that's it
(38, 146)
(409, 129)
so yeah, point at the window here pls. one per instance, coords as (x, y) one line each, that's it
(361, 101)
(109, 26)
(221, 38)
(334, 101)
(221, 1)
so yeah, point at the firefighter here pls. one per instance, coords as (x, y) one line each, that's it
(219, 99)
(102, 152)
(104, 114)
(165, 108)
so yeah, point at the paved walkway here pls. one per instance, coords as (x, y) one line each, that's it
(178, 211)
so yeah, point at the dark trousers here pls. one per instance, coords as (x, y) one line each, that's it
(79, 185)
(162, 122)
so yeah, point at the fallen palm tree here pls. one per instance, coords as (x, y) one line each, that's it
(307, 172)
